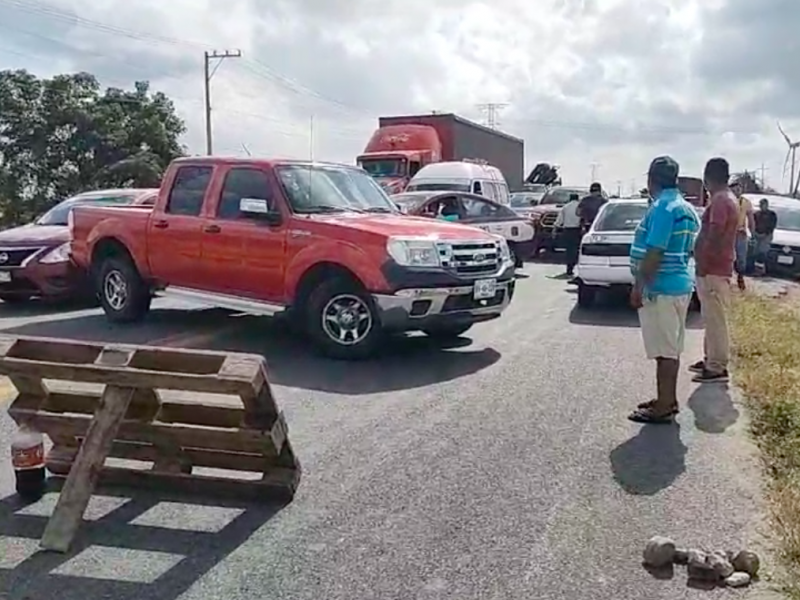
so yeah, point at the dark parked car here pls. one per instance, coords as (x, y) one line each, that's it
(35, 259)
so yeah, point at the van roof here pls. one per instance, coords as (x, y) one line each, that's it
(458, 170)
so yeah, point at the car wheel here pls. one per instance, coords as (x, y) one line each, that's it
(342, 320)
(447, 331)
(515, 257)
(586, 296)
(124, 296)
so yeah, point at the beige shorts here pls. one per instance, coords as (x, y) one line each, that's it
(663, 322)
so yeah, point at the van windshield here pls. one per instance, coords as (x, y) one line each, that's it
(439, 187)
(323, 188)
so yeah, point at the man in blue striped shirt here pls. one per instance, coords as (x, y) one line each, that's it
(664, 281)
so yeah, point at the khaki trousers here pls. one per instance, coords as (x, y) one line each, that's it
(714, 292)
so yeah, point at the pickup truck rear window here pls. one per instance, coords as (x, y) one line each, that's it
(188, 191)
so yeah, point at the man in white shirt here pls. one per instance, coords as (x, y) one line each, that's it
(568, 226)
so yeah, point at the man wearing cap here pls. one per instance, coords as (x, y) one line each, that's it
(590, 205)
(664, 282)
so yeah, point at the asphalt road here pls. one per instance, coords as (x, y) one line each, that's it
(501, 469)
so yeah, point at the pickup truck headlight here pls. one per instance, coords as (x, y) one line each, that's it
(410, 252)
(502, 246)
(56, 255)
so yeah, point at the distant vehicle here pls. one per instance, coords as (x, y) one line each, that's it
(471, 209)
(544, 215)
(463, 176)
(319, 241)
(604, 260)
(403, 145)
(35, 259)
(784, 254)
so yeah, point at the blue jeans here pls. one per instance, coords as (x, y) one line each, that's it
(741, 253)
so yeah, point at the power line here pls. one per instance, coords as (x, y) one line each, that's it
(207, 75)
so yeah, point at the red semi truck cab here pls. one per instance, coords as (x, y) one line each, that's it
(321, 241)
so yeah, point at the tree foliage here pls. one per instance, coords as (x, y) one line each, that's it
(66, 135)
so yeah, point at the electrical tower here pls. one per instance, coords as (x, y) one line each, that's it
(492, 111)
(208, 74)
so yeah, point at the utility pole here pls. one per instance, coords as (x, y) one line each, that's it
(595, 168)
(492, 110)
(208, 74)
(763, 170)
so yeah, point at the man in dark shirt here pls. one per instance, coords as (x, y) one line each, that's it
(590, 205)
(715, 252)
(766, 220)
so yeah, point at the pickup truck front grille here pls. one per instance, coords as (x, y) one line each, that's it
(474, 259)
(14, 257)
(549, 219)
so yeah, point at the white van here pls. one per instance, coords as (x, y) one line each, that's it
(462, 176)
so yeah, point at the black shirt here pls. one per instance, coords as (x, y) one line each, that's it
(766, 221)
(589, 207)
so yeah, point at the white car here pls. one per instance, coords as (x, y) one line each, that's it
(604, 260)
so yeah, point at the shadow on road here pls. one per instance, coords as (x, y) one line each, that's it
(650, 461)
(159, 557)
(38, 307)
(615, 312)
(713, 408)
(405, 362)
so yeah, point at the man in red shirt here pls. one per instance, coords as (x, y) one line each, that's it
(715, 253)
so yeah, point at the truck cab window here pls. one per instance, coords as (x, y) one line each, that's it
(243, 183)
(188, 191)
(413, 167)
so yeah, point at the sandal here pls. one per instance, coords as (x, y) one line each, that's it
(646, 415)
(650, 403)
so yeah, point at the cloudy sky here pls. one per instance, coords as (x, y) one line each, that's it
(599, 85)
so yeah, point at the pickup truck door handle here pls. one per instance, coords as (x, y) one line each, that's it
(212, 229)
(161, 224)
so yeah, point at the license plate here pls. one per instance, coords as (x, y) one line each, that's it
(5, 276)
(786, 260)
(485, 288)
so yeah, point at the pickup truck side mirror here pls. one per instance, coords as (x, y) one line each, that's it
(258, 208)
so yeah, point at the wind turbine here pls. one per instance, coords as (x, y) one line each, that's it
(790, 153)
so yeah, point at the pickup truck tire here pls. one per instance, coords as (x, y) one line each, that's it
(124, 296)
(447, 331)
(342, 321)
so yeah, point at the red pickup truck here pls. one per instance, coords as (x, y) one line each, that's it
(320, 240)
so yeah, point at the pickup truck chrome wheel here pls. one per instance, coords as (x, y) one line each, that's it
(347, 320)
(115, 289)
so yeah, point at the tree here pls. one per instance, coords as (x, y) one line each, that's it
(65, 135)
(749, 182)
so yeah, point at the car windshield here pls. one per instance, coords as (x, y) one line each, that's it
(522, 200)
(621, 217)
(439, 187)
(323, 188)
(561, 196)
(392, 167)
(788, 218)
(59, 214)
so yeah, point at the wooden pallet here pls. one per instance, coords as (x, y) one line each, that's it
(127, 418)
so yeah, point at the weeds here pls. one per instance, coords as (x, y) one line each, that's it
(766, 342)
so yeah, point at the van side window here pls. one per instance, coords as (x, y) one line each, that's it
(188, 191)
(243, 183)
(477, 189)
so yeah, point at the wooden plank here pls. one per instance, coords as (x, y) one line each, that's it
(80, 484)
(260, 406)
(123, 376)
(249, 441)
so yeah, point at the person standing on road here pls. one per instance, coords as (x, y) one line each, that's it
(766, 221)
(660, 253)
(590, 205)
(568, 225)
(714, 257)
(746, 224)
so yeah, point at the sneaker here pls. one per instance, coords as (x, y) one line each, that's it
(710, 377)
(698, 367)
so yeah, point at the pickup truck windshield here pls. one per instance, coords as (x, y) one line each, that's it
(321, 188)
(59, 214)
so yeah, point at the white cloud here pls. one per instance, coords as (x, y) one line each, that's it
(610, 82)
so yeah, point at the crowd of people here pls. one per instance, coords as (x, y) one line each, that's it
(668, 237)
